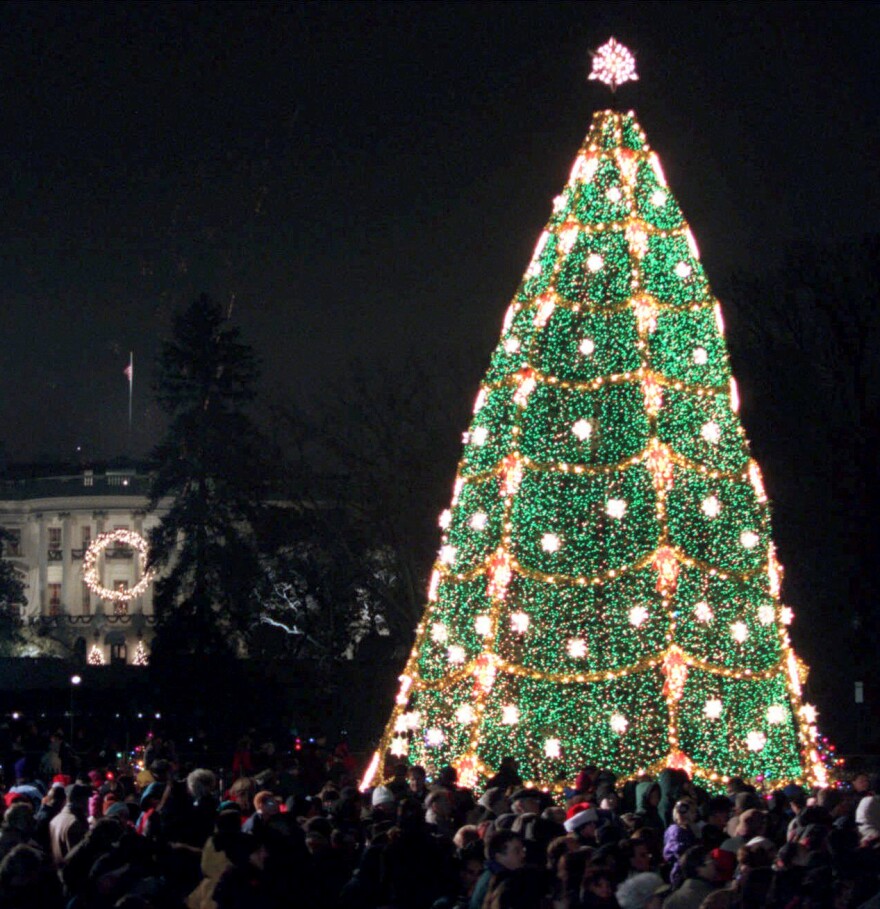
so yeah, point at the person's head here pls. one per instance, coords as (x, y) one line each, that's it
(382, 800)
(582, 821)
(439, 804)
(201, 783)
(636, 854)
(417, 777)
(861, 783)
(697, 862)
(751, 824)
(506, 848)
(465, 836)
(609, 802)
(266, 804)
(525, 801)
(398, 774)
(447, 777)
(599, 882)
(637, 891)
(78, 795)
(683, 813)
(557, 848)
(469, 870)
(242, 792)
(718, 811)
(19, 818)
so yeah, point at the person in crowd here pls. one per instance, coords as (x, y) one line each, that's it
(698, 879)
(582, 822)
(71, 823)
(505, 853)
(679, 835)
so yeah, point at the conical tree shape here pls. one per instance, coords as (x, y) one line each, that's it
(606, 591)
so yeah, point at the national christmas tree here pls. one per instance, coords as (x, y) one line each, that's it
(606, 590)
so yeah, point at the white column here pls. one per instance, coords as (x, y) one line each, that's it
(42, 562)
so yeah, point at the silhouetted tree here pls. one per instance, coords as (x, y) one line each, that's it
(12, 597)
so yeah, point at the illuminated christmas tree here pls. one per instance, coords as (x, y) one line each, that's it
(606, 591)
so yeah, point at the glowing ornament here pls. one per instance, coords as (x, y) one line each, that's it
(509, 714)
(637, 238)
(628, 162)
(613, 64)
(550, 542)
(511, 345)
(448, 554)
(645, 309)
(399, 747)
(658, 198)
(809, 713)
(711, 432)
(734, 395)
(739, 631)
(546, 305)
(433, 586)
(713, 709)
(619, 723)
(757, 481)
(660, 465)
(468, 775)
(749, 539)
(412, 720)
(595, 262)
(755, 741)
(439, 633)
(775, 714)
(766, 614)
(675, 672)
(678, 760)
(465, 714)
(434, 737)
(552, 748)
(484, 674)
(479, 436)
(568, 235)
(700, 356)
(511, 475)
(499, 574)
(483, 625)
(711, 507)
(683, 270)
(584, 168)
(519, 622)
(576, 648)
(583, 429)
(587, 347)
(559, 203)
(445, 518)
(638, 615)
(786, 616)
(456, 655)
(527, 384)
(614, 194)
(400, 724)
(478, 520)
(652, 391)
(615, 508)
(480, 400)
(703, 612)
(91, 576)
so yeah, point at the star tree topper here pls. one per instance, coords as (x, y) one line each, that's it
(613, 64)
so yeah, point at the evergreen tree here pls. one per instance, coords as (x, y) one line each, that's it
(607, 590)
(12, 597)
(210, 475)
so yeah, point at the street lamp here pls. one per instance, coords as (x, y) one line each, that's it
(75, 680)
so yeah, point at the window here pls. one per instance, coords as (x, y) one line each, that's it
(120, 607)
(118, 544)
(12, 542)
(118, 652)
(86, 600)
(54, 596)
(86, 531)
(55, 538)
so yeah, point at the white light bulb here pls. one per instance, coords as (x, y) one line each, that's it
(413, 719)
(683, 270)
(614, 194)
(576, 648)
(775, 714)
(559, 203)
(448, 554)
(439, 633)
(552, 748)
(786, 615)
(658, 198)
(711, 432)
(478, 520)
(749, 539)
(550, 542)
(465, 714)
(479, 436)
(809, 713)
(511, 345)
(400, 724)
(455, 655)
(755, 741)
(594, 262)
(483, 625)
(445, 518)
(509, 715)
(711, 507)
(587, 346)
(615, 508)
(582, 429)
(766, 614)
(619, 723)
(399, 747)
(701, 356)
(703, 612)
(713, 709)
(434, 737)
(739, 631)
(638, 615)
(519, 622)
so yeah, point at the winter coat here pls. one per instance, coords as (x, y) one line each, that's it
(676, 841)
(66, 829)
(648, 813)
(690, 895)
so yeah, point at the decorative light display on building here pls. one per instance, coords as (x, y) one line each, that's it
(91, 574)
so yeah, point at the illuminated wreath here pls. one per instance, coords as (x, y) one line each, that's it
(90, 565)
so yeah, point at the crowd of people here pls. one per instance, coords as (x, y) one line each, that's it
(289, 828)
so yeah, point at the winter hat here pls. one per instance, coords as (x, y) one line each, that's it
(587, 815)
(635, 892)
(153, 791)
(494, 800)
(382, 795)
(20, 817)
(118, 810)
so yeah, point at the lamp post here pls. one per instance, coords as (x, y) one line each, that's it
(75, 681)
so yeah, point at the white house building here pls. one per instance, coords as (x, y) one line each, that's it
(51, 522)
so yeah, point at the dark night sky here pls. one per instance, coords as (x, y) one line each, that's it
(371, 178)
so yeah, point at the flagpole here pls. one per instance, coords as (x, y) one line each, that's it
(130, 393)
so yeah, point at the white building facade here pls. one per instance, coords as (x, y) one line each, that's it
(51, 522)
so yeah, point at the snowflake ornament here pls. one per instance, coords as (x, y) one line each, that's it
(613, 64)
(519, 622)
(713, 709)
